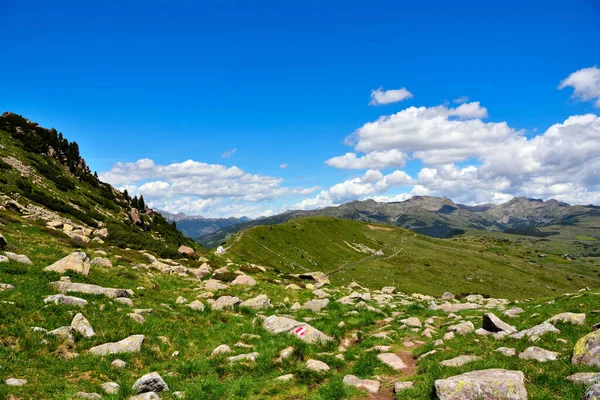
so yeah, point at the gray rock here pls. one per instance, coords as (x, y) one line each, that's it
(587, 350)
(593, 393)
(286, 377)
(536, 331)
(6, 286)
(226, 303)
(65, 300)
(196, 305)
(65, 332)
(459, 361)
(585, 378)
(85, 395)
(125, 301)
(101, 262)
(145, 396)
(456, 307)
(507, 351)
(244, 280)
(490, 384)
(462, 328)
(412, 321)
(3, 259)
(448, 296)
(370, 385)
(513, 312)
(186, 250)
(400, 386)
(259, 302)
(137, 317)
(16, 382)
(82, 325)
(130, 344)
(212, 285)
(538, 354)
(67, 287)
(77, 262)
(244, 357)
(118, 363)
(277, 325)
(391, 360)
(151, 382)
(110, 387)
(222, 349)
(181, 300)
(316, 365)
(20, 258)
(315, 305)
(568, 317)
(492, 323)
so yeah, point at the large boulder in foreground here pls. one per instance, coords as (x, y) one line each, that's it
(301, 330)
(132, 344)
(489, 384)
(587, 350)
(78, 262)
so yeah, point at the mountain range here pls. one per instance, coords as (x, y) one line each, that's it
(197, 225)
(434, 216)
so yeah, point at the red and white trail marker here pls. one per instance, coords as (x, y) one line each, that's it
(300, 331)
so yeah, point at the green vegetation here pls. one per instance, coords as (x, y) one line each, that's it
(346, 250)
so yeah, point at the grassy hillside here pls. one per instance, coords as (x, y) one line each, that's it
(412, 262)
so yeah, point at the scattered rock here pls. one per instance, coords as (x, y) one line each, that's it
(490, 384)
(66, 287)
(196, 305)
(137, 318)
(459, 361)
(226, 303)
(244, 357)
(259, 302)
(222, 349)
(118, 363)
(15, 382)
(315, 305)
(593, 393)
(586, 378)
(568, 317)
(391, 360)
(151, 382)
(536, 331)
(316, 365)
(145, 396)
(110, 387)
(286, 377)
(20, 258)
(66, 300)
(305, 332)
(85, 395)
(6, 286)
(101, 262)
(244, 280)
(412, 321)
(400, 386)
(130, 344)
(462, 328)
(492, 323)
(82, 325)
(507, 351)
(371, 386)
(587, 350)
(538, 354)
(77, 262)
(188, 251)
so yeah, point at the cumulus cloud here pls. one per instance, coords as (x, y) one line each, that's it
(229, 153)
(305, 191)
(586, 84)
(191, 186)
(460, 100)
(380, 96)
(375, 159)
(283, 166)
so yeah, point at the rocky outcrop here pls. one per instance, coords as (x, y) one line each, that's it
(67, 287)
(77, 262)
(587, 350)
(305, 332)
(490, 384)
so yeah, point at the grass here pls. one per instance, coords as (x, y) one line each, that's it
(496, 266)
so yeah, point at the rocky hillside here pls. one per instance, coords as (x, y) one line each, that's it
(44, 179)
(127, 324)
(434, 216)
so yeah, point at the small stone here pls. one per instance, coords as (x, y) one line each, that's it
(151, 382)
(118, 363)
(181, 300)
(244, 357)
(110, 387)
(459, 361)
(16, 382)
(196, 305)
(400, 386)
(316, 365)
(222, 349)
(507, 351)
(538, 354)
(137, 318)
(145, 396)
(85, 395)
(286, 377)
(82, 325)
(392, 360)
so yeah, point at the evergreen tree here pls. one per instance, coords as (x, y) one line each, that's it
(142, 203)
(135, 203)
(126, 195)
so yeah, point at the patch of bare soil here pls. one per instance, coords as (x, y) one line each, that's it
(379, 228)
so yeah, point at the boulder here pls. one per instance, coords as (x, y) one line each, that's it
(6, 286)
(507, 351)
(214, 285)
(201, 271)
(131, 344)
(391, 360)
(259, 302)
(20, 258)
(110, 387)
(15, 382)
(316, 365)
(456, 307)
(536, 331)
(185, 250)
(137, 318)
(101, 232)
(118, 364)
(513, 312)
(66, 287)
(315, 305)
(66, 300)
(492, 323)
(82, 325)
(490, 384)
(244, 280)
(462, 328)
(196, 305)
(587, 350)
(448, 296)
(101, 262)
(412, 321)
(538, 354)
(459, 361)
(568, 318)
(593, 393)
(303, 331)
(151, 382)
(244, 357)
(78, 262)
(370, 385)
(222, 349)
(226, 303)
(317, 276)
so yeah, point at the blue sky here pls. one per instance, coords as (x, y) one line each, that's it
(288, 82)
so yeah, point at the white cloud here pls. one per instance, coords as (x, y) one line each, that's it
(305, 191)
(283, 166)
(192, 186)
(229, 153)
(375, 159)
(460, 100)
(586, 84)
(380, 96)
